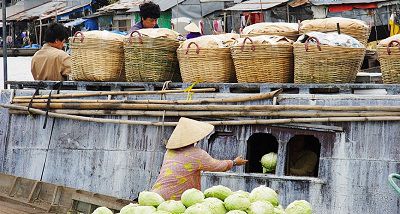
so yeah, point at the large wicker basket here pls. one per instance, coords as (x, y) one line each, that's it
(210, 65)
(96, 59)
(326, 64)
(389, 57)
(150, 59)
(263, 63)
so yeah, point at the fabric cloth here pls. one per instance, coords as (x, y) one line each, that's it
(394, 27)
(50, 63)
(181, 171)
(192, 35)
(139, 26)
(304, 164)
(348, 7)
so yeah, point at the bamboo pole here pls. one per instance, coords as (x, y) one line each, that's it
(203, 101)
(215, 113)
(106, 93)
(216, 123)
(123, 106)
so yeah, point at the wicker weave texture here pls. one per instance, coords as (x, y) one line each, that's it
(263, 63)
(288, 35)
(206, 65)
(96, 60)
(390, 64)
(151, 59)
(328, 65)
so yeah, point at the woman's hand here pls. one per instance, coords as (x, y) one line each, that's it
(239, 161)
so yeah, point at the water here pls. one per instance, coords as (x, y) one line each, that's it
(19, 68)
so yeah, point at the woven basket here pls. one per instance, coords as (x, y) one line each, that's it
(150, 59)
(389, 57)
(263, 63)
(210, 65)
(96, 59)
(326, 64)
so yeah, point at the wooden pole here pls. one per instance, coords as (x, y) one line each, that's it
(203, 101)
(215, 113)
(106, 93)
(216, 123)
(123, 106)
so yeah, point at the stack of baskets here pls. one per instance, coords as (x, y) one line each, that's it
(97, 56)
(288, 30)
(352, 27)
(206, 59)
(326, 64)
(150, 59)
(389, 58)
(268, 59)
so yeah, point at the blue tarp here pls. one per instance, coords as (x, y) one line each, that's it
(75, 22)
(91, 24)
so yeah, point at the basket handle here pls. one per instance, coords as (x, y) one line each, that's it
(76, 35)
(306, 44)
(131, 37)
(253, 48)
(197, 47)
(392, 183)
(391, 44)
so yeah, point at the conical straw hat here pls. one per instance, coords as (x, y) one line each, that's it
(188, 132)
(192, 27)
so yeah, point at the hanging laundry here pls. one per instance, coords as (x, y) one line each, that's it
(394, 26)
(201, 26)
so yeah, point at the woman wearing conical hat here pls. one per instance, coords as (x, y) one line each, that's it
(183, 161)
(193, 30)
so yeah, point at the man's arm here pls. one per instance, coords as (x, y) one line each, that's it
(66, 65)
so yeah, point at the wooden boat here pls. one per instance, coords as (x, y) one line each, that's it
(355, 157)
(13, 52)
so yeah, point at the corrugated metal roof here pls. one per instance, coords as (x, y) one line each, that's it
(63, 11)
(252, 5)
(329, 2)
(38, 11)
(133, 5)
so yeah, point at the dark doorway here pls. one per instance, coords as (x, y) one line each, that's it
(303, 156)
(258, 145)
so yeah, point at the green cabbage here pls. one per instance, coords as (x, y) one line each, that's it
(236, 212)
(128, 209)
(150, 199)
(191, 197)
(279, 210)
(220, 192)
(216, 206)
(268, 162)
(174, 207)
(261, 207)
(102, 210)
(299, 207)
(237, 202)
(242, 193)
(161, 212)
(263, 193)
(144, 209)
(198, 209)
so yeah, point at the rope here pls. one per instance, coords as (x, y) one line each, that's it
(163, 96)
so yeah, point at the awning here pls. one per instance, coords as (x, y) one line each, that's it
(132, 6)
(252, 5)
(38, 11)
(75, 22)
(329, 2)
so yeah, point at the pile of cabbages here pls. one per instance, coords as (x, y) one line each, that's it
(215, 200)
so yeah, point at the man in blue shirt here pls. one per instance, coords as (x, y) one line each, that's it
(149, 13)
